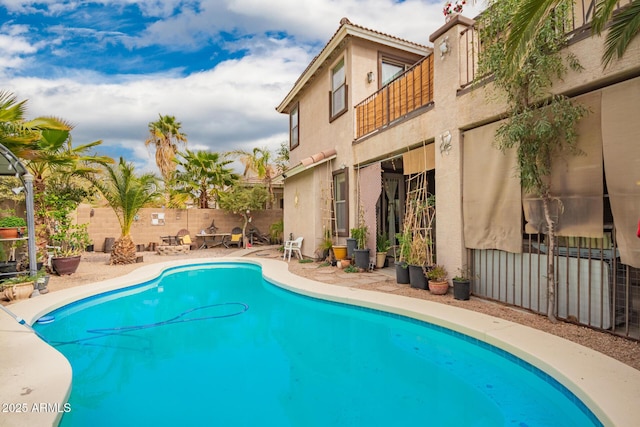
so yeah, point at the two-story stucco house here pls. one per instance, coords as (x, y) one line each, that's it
(372, 110)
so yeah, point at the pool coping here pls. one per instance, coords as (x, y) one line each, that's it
(37, 377)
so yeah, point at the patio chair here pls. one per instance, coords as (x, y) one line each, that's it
(256, 237)
(184, 238)
(236, 237)
(293, 246)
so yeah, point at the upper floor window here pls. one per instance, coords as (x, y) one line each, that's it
(390, 68)
(338, 90)
(294, 125)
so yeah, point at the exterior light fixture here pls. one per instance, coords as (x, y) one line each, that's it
(444, 47)
(370, 77)
(445, 143)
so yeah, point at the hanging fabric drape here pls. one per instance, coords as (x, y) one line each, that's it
(390, 188)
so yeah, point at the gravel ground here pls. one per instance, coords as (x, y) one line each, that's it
(94, 268)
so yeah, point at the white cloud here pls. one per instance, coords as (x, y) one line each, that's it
(227, 107)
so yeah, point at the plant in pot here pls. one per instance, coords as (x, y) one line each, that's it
(462, 284)
(383, 244)
(404, 249)
(325, 248)
(12, 227)
(68, 241)
(438, 283)
(417, 263)
(361, 253)
(20, 287)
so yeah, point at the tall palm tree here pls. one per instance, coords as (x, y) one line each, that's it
(165, 136)
(531, 15)
(259, 162)
(201, 175)
(126, 193)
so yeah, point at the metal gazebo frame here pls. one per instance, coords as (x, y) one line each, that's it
(10, 165)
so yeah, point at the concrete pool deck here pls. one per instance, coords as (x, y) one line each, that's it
(35, 379)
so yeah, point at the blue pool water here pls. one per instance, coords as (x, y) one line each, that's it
(216, 345)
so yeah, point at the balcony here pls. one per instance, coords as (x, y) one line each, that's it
(408, 93)
(578, 27)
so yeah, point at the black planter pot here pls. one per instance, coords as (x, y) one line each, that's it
(65, 265)
(417, 279)
(461, 289)
(351, 246)
(402, 273)
(8, 267)
(361, 258)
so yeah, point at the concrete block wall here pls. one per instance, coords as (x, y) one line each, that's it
(103, 223)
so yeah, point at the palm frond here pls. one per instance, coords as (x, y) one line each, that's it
(624, 28)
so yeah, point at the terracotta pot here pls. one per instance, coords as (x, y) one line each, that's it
(438, 288)
(65, 265)
(9, 233)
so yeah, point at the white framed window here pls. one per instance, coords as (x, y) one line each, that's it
(338, 90)
(392, 67)
(341, 202)
(294, 127)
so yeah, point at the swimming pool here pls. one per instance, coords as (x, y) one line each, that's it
(252, 353)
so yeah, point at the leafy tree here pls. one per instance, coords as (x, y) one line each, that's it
(531, 15)
(126, 193)
(202, 175)
(259, 163)
(165, 136)
(282, 157)
(539, 125)
(242, 201)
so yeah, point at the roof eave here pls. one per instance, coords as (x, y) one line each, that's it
(336, 40)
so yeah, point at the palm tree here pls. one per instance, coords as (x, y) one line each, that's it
(126, 193)
(45, 145)
(259, 162)
(531, 15)
(165, 135)
(201, 175)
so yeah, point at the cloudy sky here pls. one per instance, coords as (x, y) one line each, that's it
(219, 66)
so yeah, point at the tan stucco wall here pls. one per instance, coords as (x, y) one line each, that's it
(455, 112)
(103, 223)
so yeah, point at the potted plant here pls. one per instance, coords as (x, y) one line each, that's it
(361, 253)
(17, 288)
(68, 241)
(12, 227)
(325, 248)
(438, 283)
(462, 284)
(417, 263)
(404, 248)
(383, 244)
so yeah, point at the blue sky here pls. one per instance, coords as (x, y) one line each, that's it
(219, 66)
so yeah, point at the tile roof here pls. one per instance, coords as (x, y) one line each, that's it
(345, 30)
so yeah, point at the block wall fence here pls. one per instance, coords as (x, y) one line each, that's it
(103, 223)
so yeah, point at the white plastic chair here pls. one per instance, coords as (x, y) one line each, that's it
(292, 246)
